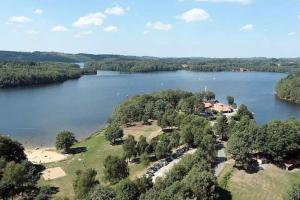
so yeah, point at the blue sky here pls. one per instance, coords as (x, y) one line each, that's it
(165, 28)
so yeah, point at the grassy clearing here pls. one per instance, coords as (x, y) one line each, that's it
(149, 131)
(269, 184)
(97, 148)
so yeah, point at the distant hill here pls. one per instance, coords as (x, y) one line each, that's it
(61, 57)
(150, 64)
(40, 56)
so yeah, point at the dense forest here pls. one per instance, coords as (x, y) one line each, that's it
(39, 56)
(14, 74)
(199, 64)
(149, 64)
(289, 88)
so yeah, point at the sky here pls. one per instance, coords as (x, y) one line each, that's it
(163, 28)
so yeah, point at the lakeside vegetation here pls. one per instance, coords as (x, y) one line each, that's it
(288, 88)
(198, 64)
(151, 64)
(16, 74)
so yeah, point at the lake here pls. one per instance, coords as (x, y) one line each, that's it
(34, 115)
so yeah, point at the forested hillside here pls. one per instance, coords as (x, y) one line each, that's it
(59, 57)
(289, 88)
(14, 74)
(199, 64)
(149, 64)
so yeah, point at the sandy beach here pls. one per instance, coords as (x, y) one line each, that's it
(44, 155)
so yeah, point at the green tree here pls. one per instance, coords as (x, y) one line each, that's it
(142, 145)
(230, 100)
(144, 184)
(127, 190)
(45, 193)
(113, 133)
(243, 111)
(294, 193)
(187, 134)
(169, 119)
(19, 179)
(187, 105)
(84, 182)
(174, 140)
(115, 169)
(209, 95)
(221, 127)
(162, 148)
(194, 128)
(129, 147)
(280, 138)
(101, 193)
(240, 145)
(64, 141)
(145, 159)
(202, 184)
(11, 150)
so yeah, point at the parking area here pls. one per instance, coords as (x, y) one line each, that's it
(161, 167)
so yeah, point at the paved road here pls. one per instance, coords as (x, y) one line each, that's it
(221, 158)
(164, 170)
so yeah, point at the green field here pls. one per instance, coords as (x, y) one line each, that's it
(272, 183)
(97, 148)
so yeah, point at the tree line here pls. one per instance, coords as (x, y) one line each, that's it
(198, 64)
(15, 74)
(289, 88)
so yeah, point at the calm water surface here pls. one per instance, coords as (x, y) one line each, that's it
(34, 115)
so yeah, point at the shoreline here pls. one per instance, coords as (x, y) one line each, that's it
(48, 154)
(286, 100)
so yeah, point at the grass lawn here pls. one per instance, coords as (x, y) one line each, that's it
(97, 150)
(270, 184)
(149, 131)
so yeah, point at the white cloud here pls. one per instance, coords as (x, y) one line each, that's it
(194, 15)
(83, 33)
(159, 26)
(111, 29)
(90, 20)
(115, 10)
(247, 27)
(38, 11)
(292, 33)
(146, 32)
(299, 17)
(243, 2)
(19, 19)
(59, 28)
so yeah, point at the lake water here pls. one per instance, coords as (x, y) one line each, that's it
(34, 115)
